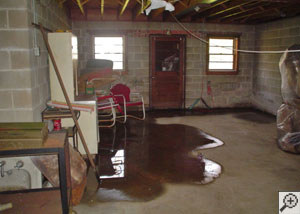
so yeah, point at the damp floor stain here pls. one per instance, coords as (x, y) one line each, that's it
(256, 117)
(136, 159)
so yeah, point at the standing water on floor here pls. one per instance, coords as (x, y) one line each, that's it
(136, 159)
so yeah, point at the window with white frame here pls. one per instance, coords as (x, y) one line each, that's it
(222, 55)
(111, 48)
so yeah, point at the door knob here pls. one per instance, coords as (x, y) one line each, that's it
(153, 77)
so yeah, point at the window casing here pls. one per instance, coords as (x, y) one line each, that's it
(222, 54)
(111, 48)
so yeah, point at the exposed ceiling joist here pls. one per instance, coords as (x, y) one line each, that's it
(102, 7)
(80, 5)
(230, 8)
(124, 7)
(274, 13)
(205, 10)
(184, 7)
(143, 5)
(279, 1)
(263, 11)
(242, 11)
(210, 11)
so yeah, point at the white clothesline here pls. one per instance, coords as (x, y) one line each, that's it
(239, 50)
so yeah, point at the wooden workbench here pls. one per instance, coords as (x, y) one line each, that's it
(50, 200)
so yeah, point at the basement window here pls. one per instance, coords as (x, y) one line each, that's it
(111, 48)
(222, 55)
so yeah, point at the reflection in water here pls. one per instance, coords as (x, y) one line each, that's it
(136, 159)
(112, 165)
(212, 170)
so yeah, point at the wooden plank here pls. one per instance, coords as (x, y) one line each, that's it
(28, 135)
(263, 11)
(188, 7)
(273, 14)
(21, 134)
(231, 8)
(124, 7)
(205, 10)
(102, 7)
(22, 126)
(80, 6)
(239, 13)
(12, 144)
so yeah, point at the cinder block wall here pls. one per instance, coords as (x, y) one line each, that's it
(24, 77)
(227, 90)
(278, 35)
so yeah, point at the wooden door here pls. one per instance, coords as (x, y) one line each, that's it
(167, 55)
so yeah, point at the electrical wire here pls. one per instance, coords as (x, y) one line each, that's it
(239, 50)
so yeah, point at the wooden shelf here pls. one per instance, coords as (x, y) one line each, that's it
(46, 202)
(51, 114)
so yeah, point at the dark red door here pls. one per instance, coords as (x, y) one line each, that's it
(167, 57)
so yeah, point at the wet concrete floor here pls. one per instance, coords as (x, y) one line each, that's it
(254, 170)
(136, 159)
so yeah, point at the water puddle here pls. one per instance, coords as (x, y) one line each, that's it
(136, 159)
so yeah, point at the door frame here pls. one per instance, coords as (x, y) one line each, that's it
(151, 64)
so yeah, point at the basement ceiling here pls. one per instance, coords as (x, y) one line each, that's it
(209, 11)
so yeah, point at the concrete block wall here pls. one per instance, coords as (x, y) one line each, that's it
(227, 90)
(278, 35)
(24, 77)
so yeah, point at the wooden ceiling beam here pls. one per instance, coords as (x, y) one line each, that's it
(262, 13)
(232, 8)
(139, 8)
(279, 1)
(184, 7)
(214, 5)
(243, 10)
(157, 12)
(289, 11)
(144, 4)
(124, 7)
(238, 13)
(201, 13)
(102, 7)
(80, 5)
(210, 11)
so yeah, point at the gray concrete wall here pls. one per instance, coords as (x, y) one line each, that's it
(277, 35)
(24, 77)
(227, 90)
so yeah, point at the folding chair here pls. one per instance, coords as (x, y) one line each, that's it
(106, 103)
(125, 99)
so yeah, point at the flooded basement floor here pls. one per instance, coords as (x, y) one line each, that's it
(254, 169)
(136, 159)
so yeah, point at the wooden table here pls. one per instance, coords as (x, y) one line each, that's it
(42, 200)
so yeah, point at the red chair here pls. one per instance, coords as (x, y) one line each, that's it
(125, 99)
(105, 103)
